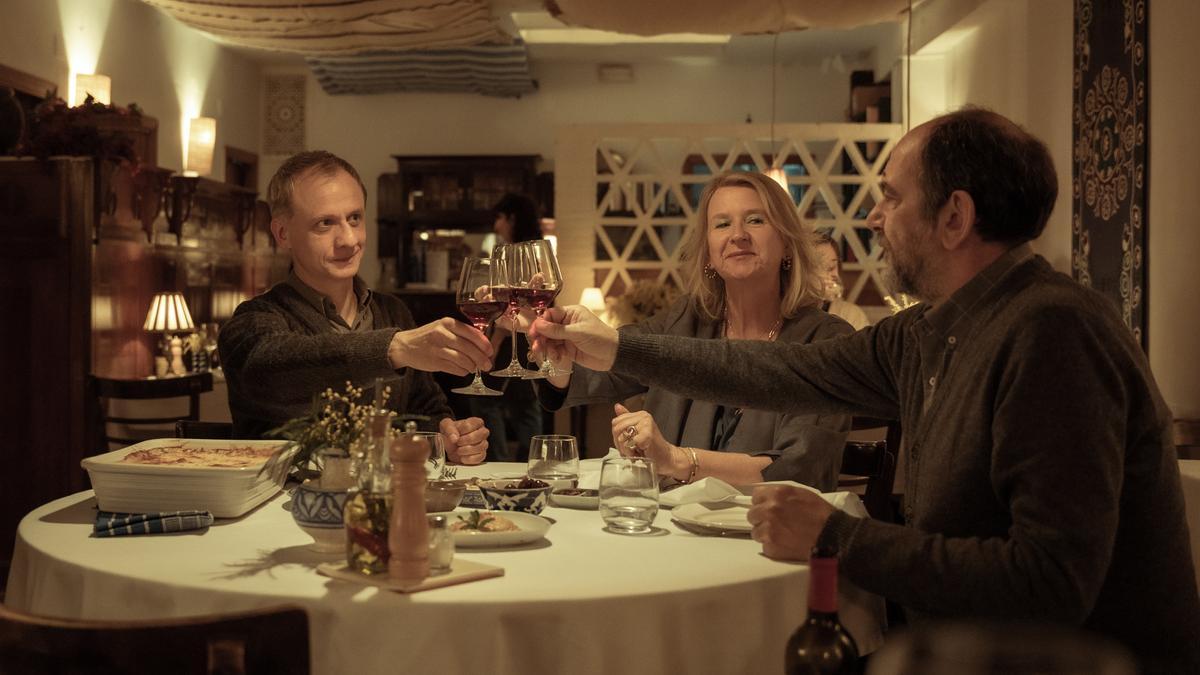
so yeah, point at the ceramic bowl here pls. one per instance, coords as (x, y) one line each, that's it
(318, 511)
(444, 495)
(504, 495)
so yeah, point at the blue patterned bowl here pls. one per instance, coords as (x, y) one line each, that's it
(504, 495)
(318, 511)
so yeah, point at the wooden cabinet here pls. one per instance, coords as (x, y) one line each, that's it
(443, 192)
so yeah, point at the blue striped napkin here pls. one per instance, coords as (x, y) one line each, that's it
(110, 524)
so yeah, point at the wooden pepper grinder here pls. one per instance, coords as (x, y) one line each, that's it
(408, 530)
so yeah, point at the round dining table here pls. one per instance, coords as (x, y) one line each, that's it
(581, 600)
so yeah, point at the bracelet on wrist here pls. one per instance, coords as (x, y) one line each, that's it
(695, 466)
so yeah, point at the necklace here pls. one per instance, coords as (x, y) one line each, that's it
(771, 334)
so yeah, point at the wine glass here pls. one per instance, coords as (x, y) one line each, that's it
(477, 301)
(554, 459)
(504, 262)
(537, 282)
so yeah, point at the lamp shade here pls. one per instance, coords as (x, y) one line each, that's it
(168, 312)
(593, 299)
(99, 86)
(202, 137)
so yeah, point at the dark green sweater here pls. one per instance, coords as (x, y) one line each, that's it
(279, 351)
(1042, 482)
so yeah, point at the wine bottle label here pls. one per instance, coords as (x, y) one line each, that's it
(822, 590)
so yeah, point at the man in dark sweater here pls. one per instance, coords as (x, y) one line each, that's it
(1042, 483)
(323, 326)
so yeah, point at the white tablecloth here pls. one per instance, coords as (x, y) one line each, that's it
(582, 601)
(1189, 474)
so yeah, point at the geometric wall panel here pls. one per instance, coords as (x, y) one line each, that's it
(644, 182)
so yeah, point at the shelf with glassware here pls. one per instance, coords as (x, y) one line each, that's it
(432, 205)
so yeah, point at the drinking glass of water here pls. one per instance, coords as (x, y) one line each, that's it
(437, 453)
(628, 494)
(554, 459)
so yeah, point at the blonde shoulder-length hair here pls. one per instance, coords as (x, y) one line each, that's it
(799, 287)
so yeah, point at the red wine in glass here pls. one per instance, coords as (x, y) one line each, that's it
(537, 299)
(482, 314)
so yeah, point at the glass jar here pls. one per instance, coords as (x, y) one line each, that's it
(369, 504)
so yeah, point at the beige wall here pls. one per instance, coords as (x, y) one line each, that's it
(1174, 232)
(153, 61)
(1015, 56)
(367, 130)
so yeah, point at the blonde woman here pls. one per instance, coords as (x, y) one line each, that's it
(751, 274)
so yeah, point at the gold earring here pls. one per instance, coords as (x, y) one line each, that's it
(709, 272)
(786, 264)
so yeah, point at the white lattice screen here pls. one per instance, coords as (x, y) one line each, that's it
(626, 194)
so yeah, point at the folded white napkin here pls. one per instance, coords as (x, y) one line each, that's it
(716, 490)
(589, 470)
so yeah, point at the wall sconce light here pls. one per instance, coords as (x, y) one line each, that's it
(169, 314)
(98, 86)
(202, 137)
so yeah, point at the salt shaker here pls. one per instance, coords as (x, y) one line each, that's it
(408, 531)
(441, 545)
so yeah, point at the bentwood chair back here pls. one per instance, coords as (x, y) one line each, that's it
(130, 426)
(872, 463)
(212, 430)
(264, 641)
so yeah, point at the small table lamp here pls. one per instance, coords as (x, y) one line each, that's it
(169, 313)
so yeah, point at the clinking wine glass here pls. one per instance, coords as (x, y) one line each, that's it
(537, 282)
(504, 265)
(477, 301)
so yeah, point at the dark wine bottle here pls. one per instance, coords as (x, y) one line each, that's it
(821, 645)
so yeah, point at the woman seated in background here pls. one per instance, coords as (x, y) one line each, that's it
(750, 274)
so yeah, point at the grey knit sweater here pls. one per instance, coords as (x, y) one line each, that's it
(1042, 480)
(279, 351)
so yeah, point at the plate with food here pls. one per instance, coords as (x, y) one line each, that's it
(493, 529)
(576, 498)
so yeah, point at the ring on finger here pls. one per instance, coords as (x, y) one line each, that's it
(630, 432)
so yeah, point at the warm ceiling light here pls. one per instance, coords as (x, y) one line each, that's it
(202, 137)
(98, 86)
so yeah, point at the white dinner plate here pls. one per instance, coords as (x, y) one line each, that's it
(532, 528)
(713, 516)
(590, 500)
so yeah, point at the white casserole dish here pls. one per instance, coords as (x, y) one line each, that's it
(227, 492)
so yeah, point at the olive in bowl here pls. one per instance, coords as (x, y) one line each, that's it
(528, 495)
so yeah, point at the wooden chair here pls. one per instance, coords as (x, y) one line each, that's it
(214, 430)
(141, 427)
(873, 464)
(263, 641)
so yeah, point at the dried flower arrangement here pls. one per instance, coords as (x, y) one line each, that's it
(642, 300)
(336, 422)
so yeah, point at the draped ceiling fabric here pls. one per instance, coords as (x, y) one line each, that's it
(327, 27)
(374, 46)
(379, 46)
(723, 17)
(491, 70)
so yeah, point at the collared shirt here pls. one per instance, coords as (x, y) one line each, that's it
(363, 319)
(940, 331)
